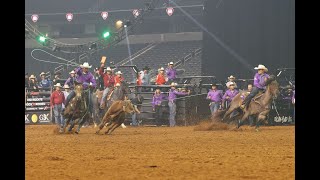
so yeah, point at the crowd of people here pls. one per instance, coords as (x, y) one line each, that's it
(104, 78)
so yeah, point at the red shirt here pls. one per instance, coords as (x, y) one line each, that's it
(160, 79)
(139, 81)
(57, 97)
(108, 80)
(118, 79)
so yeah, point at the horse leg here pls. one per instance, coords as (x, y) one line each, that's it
(244, 117)
(82, 121)
(73, 122)
(66, 123)
(261, 117)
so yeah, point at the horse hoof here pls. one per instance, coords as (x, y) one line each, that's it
(97, 132)
(257, 130)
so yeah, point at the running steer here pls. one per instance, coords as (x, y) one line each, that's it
(116, 114)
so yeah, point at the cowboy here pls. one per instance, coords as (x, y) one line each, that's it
(161, 80)
(231, 78)
(215, 97)
(118, 78)
(56, 100)
(251, 118)
(33, 82)
(99, 79)
(66, 93)
(57, 77)
(229, 94)
(136, 101)
(157, 100)
(87, 79)
(108, 81)
(70, 80)
(145, 76)
(45, 82)
(172, 102)
(259, 83)
(171, 73)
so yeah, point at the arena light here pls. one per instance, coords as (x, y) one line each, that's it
(42, 39)
(119, 24)
(106, 34)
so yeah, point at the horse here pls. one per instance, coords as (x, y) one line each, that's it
(259, 105)
(77, 111)
(116, 114)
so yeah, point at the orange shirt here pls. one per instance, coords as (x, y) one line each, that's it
(118, 79)
(160, 79)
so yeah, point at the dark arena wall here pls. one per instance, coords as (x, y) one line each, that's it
(259, 31)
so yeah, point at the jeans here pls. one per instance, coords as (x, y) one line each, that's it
(172, 110)
(214, 107)
(57, 109)
(134, 119)
(104, 95)
(253, 92)
(158, 114)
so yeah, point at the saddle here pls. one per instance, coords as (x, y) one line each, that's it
(244, 94)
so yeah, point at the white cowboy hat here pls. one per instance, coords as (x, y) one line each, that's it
(260, 66)
(161, 69)
(85, 65)
(66, 86)
(119, 72)
(32, 77)
(42, 73)
(231, 77)
(72, 72)
(108, 69)
(173, 84)
(230, 84)
(118, 84)
(171, 63)
(58, 85)
(141, 72)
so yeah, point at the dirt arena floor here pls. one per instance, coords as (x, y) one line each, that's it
(160, 153)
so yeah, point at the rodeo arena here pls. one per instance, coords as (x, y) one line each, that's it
(159, 89)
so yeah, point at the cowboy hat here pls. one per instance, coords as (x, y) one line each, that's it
(231, 77)
(161, 69)
(108, 69)
(42, 73)
(85, 65)
(66, 86)
(58, 85)
(32, 77)
(230, 84)
(146, 68)
(72, 72)
(141, 72)
(260, 66)
(173, 84)
(119, 72)
(171, 63)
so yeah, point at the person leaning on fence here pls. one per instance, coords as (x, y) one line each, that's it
(88, 83)
(108, 81)
(161, 79)
(157, 99)
(45, 82)
(171, 73)
(215, 97)
(136, 101)
(56, 100)
(33, 83)
(172, 102)
(70, 80)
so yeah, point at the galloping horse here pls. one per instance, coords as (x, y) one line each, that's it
(259, 105)
(118, 93)
(77, 110)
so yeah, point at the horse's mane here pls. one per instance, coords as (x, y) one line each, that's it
(271, 79)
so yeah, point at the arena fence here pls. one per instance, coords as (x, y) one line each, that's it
(37, 106)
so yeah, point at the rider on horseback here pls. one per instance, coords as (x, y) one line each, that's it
(259, 84)
(88, 81)
(108, 80)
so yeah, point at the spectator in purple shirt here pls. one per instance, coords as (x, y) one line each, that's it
(172, 102)
(215, 97)
(157, 99)
(229, 94)
(88, 81)
(259, 84)
(70, 80)
(171, 73)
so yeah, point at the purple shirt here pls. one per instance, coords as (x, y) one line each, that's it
(85, 79)
(70, 82)
(173, 94)
(230, 94)
(171, 73)
(259, 80)
(157, 99)
(215, 95)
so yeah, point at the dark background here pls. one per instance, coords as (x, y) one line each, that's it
(260, 31)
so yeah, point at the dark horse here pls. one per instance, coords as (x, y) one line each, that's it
(77, 111)
(259, 105)
(117, 93)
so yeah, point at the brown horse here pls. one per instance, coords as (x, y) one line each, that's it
(259, 105)
(116, 114)
(77, 110)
